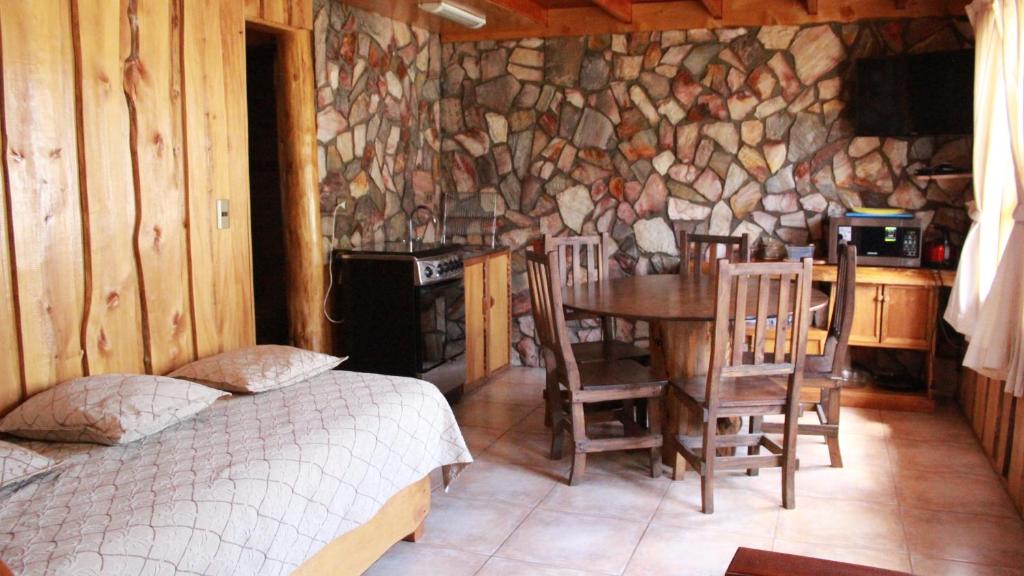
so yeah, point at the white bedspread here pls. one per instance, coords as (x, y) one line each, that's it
(252, 485)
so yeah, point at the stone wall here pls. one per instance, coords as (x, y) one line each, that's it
(723, 131)
(378, 92)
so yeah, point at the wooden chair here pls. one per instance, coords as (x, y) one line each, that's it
(749, 384)
(699, 252)
(584, 259)
(572, 387)
(825, 371)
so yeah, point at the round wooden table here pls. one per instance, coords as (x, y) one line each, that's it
(680, 310)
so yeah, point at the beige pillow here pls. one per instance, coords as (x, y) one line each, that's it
(258, 368)
(108, 408)
(18, 464)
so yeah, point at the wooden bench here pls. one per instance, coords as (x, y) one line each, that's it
(750, 562)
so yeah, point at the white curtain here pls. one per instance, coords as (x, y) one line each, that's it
(987, 303)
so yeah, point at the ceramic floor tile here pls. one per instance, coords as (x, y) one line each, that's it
(479, 439)
(855, 524)
(627, 497)
(737, 511)
(852, 482)
(671, 551)
(534, 422)
(493, 415)
(940, 425)
(864, 422)
(938, 456)
(419, 559)
(503, 482)
(986, 540)
(857, 450)
(513, 390)
(505, 567)
(897, 560)
(471, 525)
(934, 567)
(965, 493)
(574, 541)
(532, 449)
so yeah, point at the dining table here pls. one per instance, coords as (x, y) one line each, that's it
(680, 311)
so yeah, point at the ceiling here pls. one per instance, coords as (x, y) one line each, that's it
(509, 19)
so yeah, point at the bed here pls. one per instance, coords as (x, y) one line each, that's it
(308, 479)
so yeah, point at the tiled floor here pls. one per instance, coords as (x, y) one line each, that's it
(916, 495)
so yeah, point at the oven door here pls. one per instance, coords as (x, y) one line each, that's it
(442, 321)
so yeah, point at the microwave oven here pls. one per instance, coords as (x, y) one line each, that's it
(879, 241)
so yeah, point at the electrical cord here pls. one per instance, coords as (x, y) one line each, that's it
(330, 264)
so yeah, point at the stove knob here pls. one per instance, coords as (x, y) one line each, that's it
(428, 271)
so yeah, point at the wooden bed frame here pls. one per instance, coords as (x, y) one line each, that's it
(401, 518)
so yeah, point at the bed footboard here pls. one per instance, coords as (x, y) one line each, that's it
(401, 518)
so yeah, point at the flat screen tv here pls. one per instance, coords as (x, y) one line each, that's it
(921, 94)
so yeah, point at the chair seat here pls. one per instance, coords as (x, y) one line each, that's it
(617, 374)
(601, 351)
(737, 392)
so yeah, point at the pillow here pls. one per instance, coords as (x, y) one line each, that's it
(108, 409)
(18, 464)
(258, 368)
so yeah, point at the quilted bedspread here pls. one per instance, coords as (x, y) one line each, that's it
(252, 485)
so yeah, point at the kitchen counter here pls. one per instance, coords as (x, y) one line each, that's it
(474, 254)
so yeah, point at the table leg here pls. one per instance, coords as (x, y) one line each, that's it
(682, 350)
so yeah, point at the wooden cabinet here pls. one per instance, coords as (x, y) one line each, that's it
(487, 315)
(895, 308)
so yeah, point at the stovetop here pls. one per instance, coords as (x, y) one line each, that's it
(416, 250)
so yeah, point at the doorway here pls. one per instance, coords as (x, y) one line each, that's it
(270, 275)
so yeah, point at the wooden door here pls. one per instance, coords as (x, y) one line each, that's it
(866, 329)
(476, 366)
(908, 316)
(497, 302)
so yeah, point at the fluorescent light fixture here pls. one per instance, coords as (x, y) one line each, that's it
(455, 13)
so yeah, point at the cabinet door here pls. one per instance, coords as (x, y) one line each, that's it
(866, 315)
(476, 367)
(497, 302)
(908, 316)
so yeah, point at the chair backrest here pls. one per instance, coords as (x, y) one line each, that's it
(580, 258)
(771, 293)
(699, 252)
(549, 316)
(833, 359)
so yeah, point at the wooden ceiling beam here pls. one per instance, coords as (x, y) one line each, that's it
(526, 8)
(621, 10)
(812, 6)
(714, 7)
(901, 4)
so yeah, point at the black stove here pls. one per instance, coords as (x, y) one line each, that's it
(432, 263)
(403, 311)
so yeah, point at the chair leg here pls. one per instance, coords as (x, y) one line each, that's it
(554, 414)
(789, 461)
(709, 455)
(579, 437)
(678, 411)
(549, 401)
(654, 427)
(831, 400)
(755, 428)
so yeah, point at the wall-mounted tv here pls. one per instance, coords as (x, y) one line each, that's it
(920, 94)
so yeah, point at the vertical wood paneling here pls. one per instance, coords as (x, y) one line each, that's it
(300, 187)
(253, 9)
(217, 164)
(10, 351)
(998, 420)
(275, 11)
(153, 88)
(42, 171)
(112, 330)
(302, 14)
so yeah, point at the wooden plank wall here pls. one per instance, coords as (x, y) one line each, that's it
(121, 124)
(998, 422)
